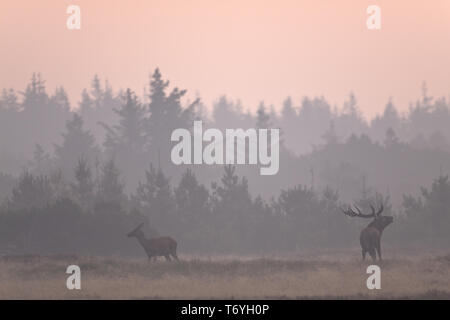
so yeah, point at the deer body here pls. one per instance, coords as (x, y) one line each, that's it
(370, 242)
(370, 237)
(156, 247)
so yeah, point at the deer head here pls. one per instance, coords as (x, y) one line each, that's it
(379, 221)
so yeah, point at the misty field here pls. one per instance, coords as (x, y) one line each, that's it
(323, 276)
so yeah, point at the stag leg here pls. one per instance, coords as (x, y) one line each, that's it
(373, 254)
(363, 254)
(378, 247)
(167, 257)
(174, 255)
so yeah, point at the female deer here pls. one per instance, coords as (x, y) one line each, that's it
(155, 247)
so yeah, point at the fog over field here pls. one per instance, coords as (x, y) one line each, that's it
(77, 179)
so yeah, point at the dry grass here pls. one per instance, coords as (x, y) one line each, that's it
(324, 276)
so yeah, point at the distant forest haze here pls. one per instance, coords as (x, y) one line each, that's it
(250, 49)
(79, 178)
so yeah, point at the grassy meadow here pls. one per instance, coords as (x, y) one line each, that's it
(326, 276)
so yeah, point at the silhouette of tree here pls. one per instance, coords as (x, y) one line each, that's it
(41, 163)
(191, 198)
(156, 197)
(7, 183)
(429, 215)
(130, 131)
(35, 95)
(390, 119)
(76, 143)
(97, 92)
(31, 192)
(193, 211)
(60, 99)
(232, 208)
(97, 106)
(83, 188)
(127, 141)
(227, 114)
(110, 195)
(330, 136)
(391, 140)
(166, 114)
(262, 117)
(9, 100)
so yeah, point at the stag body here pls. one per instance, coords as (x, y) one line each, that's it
(370, 237)
(155, 247)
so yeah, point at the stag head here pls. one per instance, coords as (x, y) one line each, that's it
(379, 219)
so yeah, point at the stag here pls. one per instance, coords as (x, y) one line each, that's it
(370, 236)
(155, 247)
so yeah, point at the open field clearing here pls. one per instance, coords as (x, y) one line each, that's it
(327, 276)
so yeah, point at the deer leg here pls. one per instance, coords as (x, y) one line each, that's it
(373, 254)
(175, 256)
(168, 257)
(363, 254)
(379, 251)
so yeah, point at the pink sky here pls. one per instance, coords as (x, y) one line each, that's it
(247, 49)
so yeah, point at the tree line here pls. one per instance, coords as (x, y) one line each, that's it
(91, 215)
(79, 179)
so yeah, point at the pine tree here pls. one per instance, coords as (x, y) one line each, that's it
(86, 103)
(110, 189)
(193, 213)
(129, 133)
(83, 188)
(41, 163)
(35, 95)
(77, 143)
(232, 209)
(127, 141)
(191, 197)
(155, 193)
(166, 115)
(263, 120)
(31, 192)
(9, 100)
(330, 136)
(97, 92)
(41, 117)
(60, 99)
(391, 140)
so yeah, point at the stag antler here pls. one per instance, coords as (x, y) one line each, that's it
(380, 210)
(349, 212)
(138, 227)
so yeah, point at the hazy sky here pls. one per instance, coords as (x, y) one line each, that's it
(246, 49)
